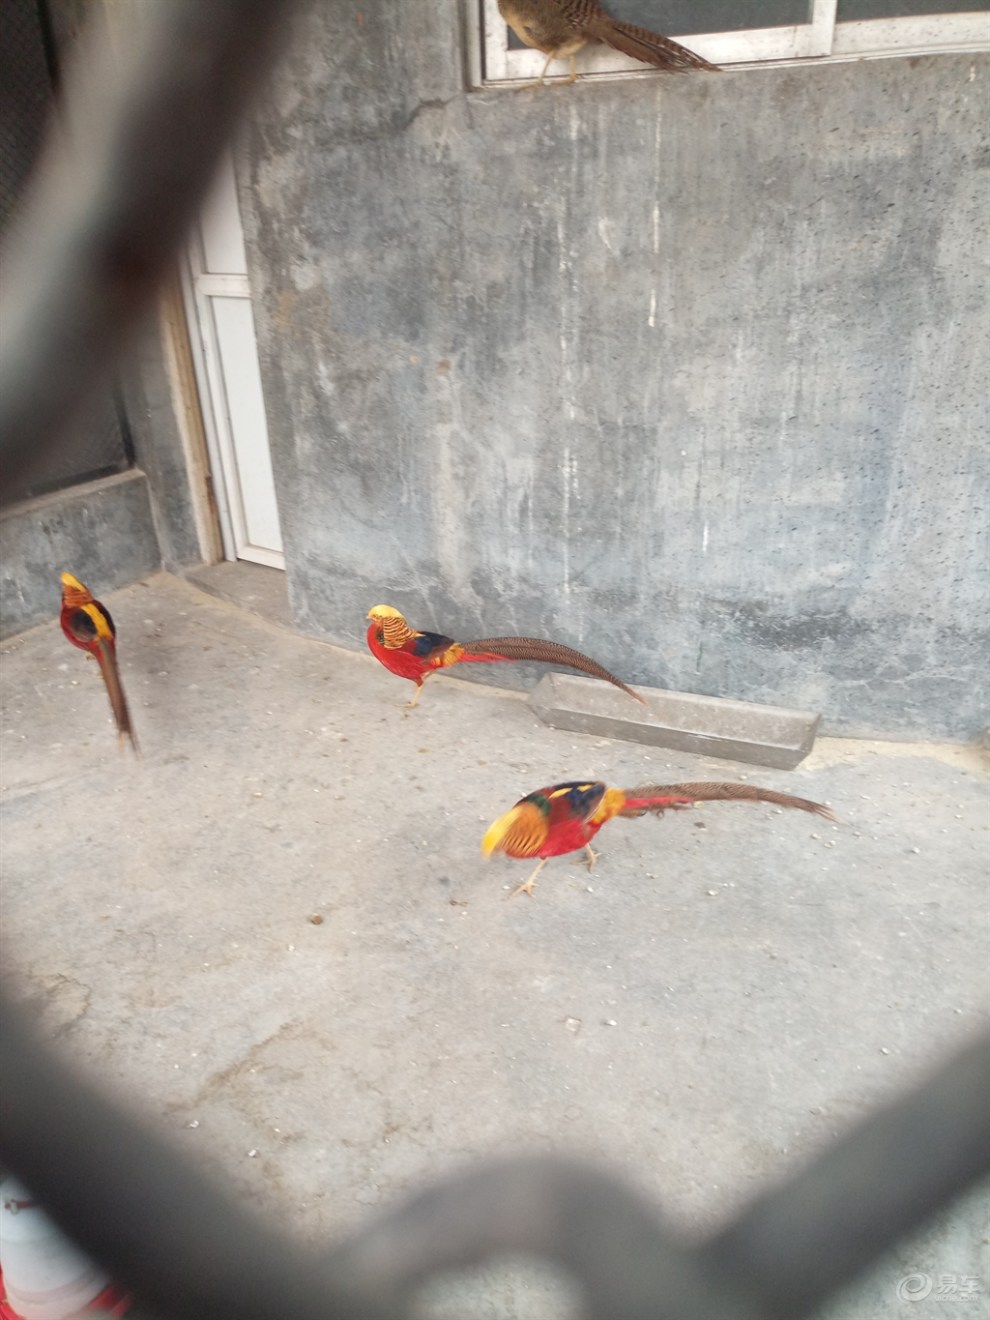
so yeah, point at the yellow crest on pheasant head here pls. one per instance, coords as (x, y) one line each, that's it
(391, 628)
(74, 592)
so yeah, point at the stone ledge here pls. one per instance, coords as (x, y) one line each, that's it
(102, 531)
(252, 587)
(736, 730)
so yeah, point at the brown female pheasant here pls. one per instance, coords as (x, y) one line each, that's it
(561, 27)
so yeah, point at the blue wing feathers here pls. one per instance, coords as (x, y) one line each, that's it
(426, 643)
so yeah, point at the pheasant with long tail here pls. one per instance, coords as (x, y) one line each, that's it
(559, 28)
(416, 655)
(566, 817)
(87, 624)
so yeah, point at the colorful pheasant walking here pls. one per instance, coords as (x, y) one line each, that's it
(416, 655)
(88, 625)
(565, 817)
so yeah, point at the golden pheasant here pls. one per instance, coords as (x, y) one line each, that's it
(87, 624)
(415, 655)
(565, 817)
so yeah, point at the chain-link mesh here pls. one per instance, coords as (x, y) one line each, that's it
(96, 445)
(25, 96)
(133, 1200)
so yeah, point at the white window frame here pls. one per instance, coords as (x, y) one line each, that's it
(493, 63)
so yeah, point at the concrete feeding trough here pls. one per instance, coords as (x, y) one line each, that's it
(735, 730)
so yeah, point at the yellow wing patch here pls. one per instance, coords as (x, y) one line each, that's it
(448, 657)
(521, 832)
(569, 788)
(99, 619)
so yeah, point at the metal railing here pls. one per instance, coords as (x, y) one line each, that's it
(105, 221)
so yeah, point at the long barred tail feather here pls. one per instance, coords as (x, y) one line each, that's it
(118, 702)
(548, 653)
(658, 797)
(650, 47)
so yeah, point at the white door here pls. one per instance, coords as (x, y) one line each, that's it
(226, 358)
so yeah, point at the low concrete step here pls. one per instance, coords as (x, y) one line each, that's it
(736, 730)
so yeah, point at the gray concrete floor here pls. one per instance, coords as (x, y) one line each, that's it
(725, 993)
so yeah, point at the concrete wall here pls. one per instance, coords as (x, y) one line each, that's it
(160, 397)
(116, 530)
(101, 530)
(689, 372)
